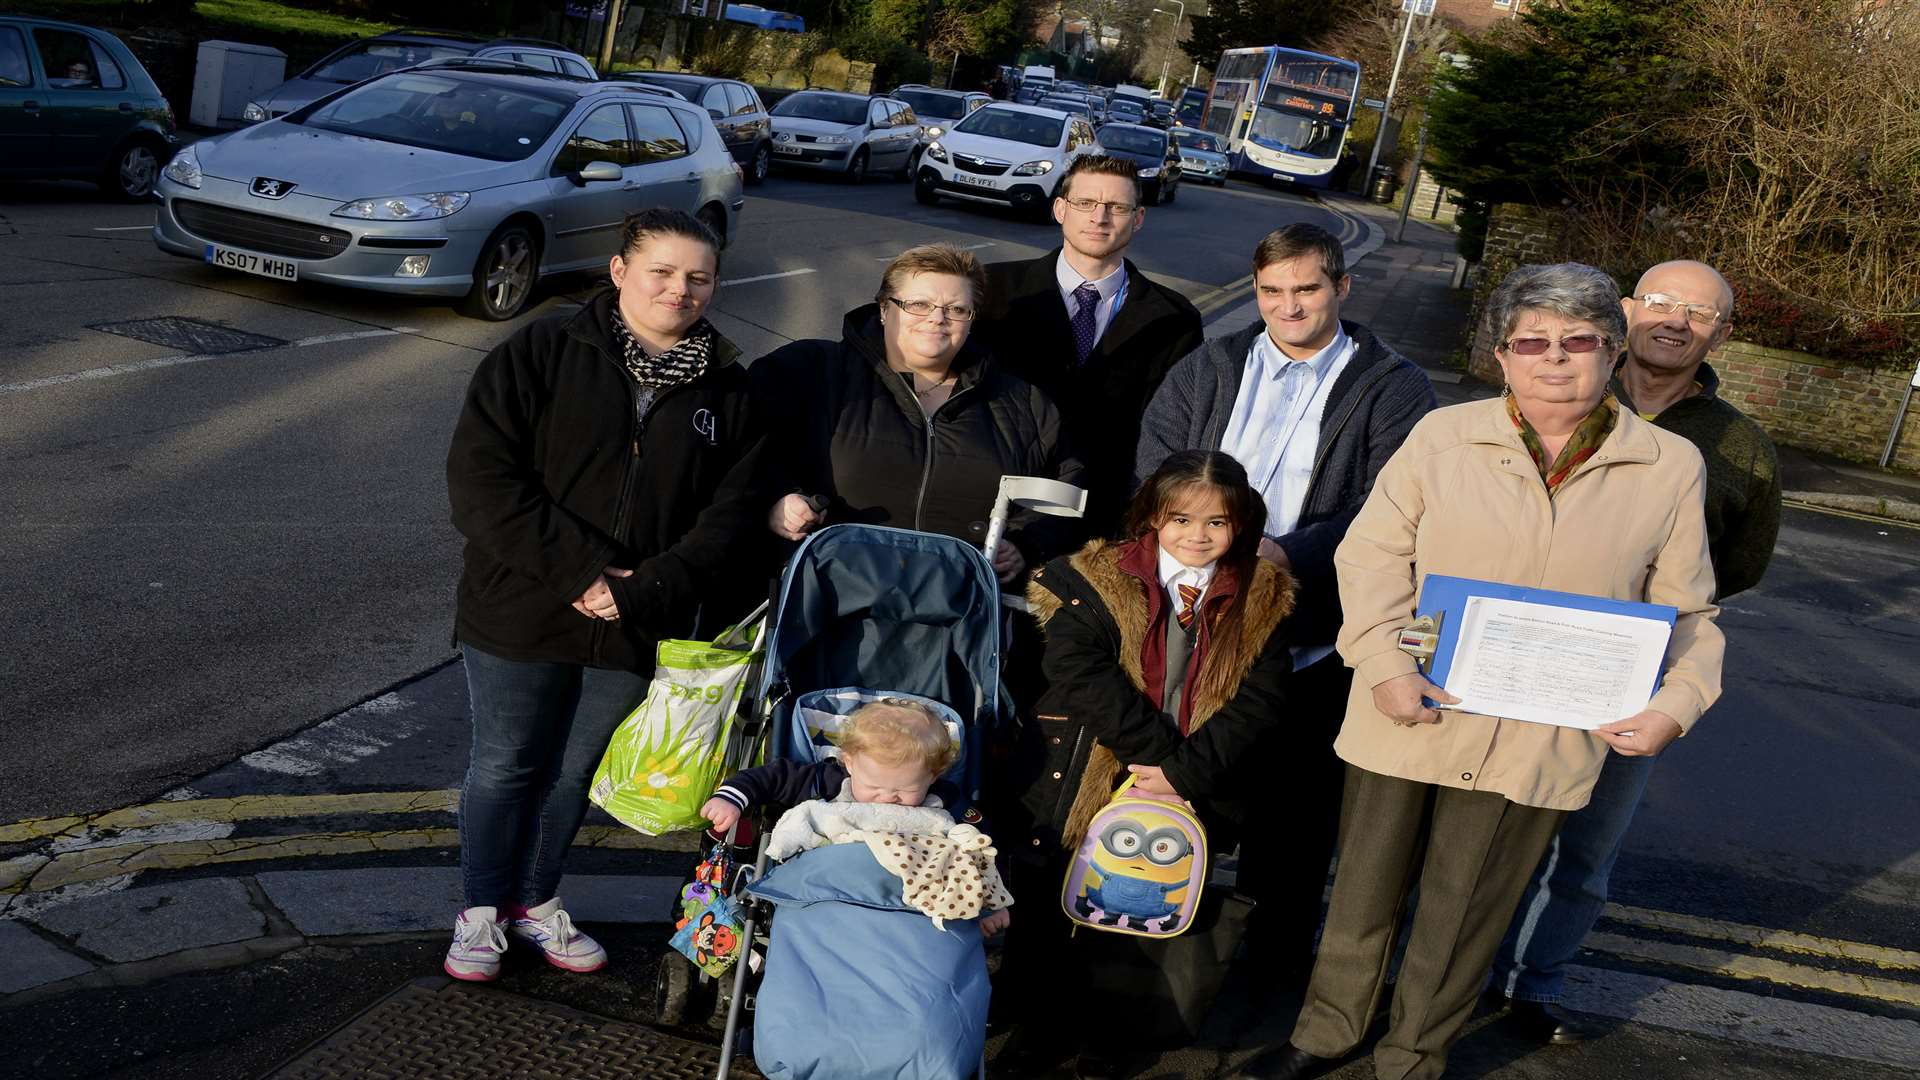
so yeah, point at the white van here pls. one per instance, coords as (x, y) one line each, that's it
(1139, 93)
(1036, 71)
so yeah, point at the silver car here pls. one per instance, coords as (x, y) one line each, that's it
(1200, 156)
(467, 181)
(850, 134)
(397, 49)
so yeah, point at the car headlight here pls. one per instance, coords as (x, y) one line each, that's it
(936, 151)
(936, 131)
(184, 169)
(254, 113)
(837, 140)
(438, 204)
(1150, 172)
(1034, 168)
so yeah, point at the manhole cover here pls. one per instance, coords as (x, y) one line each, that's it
(188, 335)
(435, 1027)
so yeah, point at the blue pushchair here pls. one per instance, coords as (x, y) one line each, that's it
(856, 983)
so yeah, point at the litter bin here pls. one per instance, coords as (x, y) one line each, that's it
(1381, 188)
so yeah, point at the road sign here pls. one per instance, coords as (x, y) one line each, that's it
(1916, 377)
(1417, 7)
(1372, 103)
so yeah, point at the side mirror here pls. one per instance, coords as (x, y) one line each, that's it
(597, 171)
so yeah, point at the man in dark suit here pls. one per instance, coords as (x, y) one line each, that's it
(1084, 325)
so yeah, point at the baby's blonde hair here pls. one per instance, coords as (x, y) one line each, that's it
(896, 731)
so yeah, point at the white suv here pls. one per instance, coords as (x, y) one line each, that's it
(1011, 155)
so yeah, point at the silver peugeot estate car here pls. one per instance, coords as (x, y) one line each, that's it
(469, 178)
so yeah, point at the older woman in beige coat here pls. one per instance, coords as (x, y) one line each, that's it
(1553, 486)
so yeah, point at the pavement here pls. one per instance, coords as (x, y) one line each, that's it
(313, 876)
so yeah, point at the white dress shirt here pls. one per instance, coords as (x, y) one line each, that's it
(1113, 292)
(1174, 573)
(1275, 432)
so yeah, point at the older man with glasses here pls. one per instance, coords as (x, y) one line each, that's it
(1678, 313)
(1084, 325)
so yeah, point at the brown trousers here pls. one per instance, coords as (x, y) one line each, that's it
(1474, 852)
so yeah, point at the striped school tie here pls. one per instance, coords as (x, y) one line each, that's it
(1189, 598)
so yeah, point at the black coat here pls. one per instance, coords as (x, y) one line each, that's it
(555, 473)
(1027, 324)
(848, 427)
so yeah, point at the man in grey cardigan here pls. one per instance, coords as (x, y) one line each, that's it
(1313, 407)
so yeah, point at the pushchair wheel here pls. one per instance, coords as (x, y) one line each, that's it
(672, 989)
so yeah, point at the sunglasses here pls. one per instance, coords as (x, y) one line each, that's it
(1536, 346)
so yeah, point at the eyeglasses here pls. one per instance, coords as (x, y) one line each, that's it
(1535, 346)
(1662, 304)
(1088, 206)
(924, 309)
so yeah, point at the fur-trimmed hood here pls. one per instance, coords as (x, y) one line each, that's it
(1118, 578)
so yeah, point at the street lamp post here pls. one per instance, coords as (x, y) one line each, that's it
(1408, 9)
(1173, 42)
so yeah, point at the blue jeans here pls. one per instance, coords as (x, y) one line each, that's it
(539, 731)
(1568, 890)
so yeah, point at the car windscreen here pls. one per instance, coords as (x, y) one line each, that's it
(691, 89)
(1066, 105)
(1131, 141)
(369, 58)
(1023, 127)
(938, 106)
(1120, 107)
(482, 120)
(1197, 141)
(830, 108)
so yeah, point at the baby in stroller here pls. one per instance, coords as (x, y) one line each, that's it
(875, 965)
(892, 751)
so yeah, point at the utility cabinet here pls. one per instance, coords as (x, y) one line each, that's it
(227, 75)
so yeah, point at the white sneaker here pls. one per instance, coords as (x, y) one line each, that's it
(479, 937)
(549, 928)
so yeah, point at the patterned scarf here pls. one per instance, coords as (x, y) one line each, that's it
(680, 365)
(1585, 440)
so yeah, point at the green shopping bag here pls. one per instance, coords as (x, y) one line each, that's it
(666, 758)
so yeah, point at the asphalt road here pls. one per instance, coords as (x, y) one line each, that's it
(202, 557)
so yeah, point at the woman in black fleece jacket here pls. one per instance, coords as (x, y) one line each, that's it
(601, 472)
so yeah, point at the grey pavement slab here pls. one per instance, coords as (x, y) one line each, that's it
(384, 900)
(33, 961)
(139, 924)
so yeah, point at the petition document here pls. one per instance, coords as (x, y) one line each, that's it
(1554, 665)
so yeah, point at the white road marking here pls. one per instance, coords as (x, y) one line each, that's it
(172, 832)
(138, 366)
(122, 228)
(959, 247)
(1749, 1018)
(360, 732)
(768, 277)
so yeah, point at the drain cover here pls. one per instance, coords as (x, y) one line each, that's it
(439, 1028)
(189, 335)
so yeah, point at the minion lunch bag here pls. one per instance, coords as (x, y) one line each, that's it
(1141, 867)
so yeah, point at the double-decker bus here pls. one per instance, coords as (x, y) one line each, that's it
(1282, 113)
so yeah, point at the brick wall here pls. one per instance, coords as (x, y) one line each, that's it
(1516, 235)
(1803, 402)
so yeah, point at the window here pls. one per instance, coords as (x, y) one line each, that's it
(742, 99)
(902, 116)
(441, 113)
(110, 76)
(658, 136)
(575, 68)
(602, 136)
(67, 58)
(877, 114)
(14, 69)
(539, 60)
(715, 101)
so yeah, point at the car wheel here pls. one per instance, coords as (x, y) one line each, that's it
(910, 168)
(924, 191)
(131, 173)
(504, 277)
(712, 218)
(760, 165)
(857, 168)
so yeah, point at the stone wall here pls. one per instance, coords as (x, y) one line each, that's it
(1804, 402)
(1430, 201)
(1516, 235)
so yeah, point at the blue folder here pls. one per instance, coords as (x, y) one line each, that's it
(1448, 596)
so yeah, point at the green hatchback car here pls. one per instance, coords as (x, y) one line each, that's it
(75, 104)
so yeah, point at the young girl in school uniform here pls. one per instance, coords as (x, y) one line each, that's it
(1165, 658)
